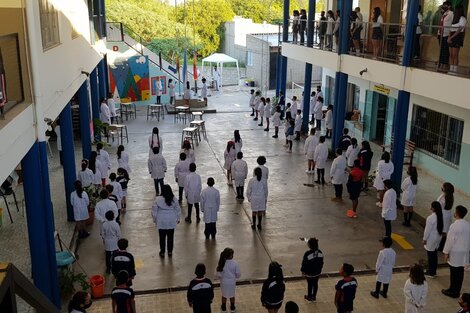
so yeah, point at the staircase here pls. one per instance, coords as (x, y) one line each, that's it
(12, 283)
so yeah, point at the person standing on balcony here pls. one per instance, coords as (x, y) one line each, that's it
(456, 36)
(443, 35)
(303, 25)
(356, 27)
(336, 28)
(322, 29)
(377, 33)
(295, 26)
(419, 31)
(329, 30)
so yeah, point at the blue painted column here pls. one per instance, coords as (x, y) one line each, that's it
(308, 68)
(40, 221)
(103, 91)
(68, 153)
(95, 94)
(285, 38)
(84, 107)
(278, 63)
(400, 120)
(341, 81)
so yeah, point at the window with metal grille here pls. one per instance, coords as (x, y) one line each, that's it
(49, 20)
(437, 134)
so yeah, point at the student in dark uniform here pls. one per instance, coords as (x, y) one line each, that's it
(200, 291)
(312, 264)
(122, 295)
(345, 289)
(344, 140)
(365, 158)
(272, 293)
(123, 260)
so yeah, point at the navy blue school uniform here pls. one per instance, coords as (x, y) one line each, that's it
(272, 294)
(312, 265)
(200, 294)
(347, 289)
(123, 260)
(123, 297)
(344, 142)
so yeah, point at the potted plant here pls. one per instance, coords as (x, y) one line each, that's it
(69, 280)
(93, 193)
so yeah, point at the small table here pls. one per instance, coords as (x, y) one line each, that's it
(154, 110)
(200, 125)
(119, 128)
(128, 108)
(181, 113)
(190, 132)
(196, 114)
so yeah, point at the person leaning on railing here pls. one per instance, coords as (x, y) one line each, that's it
(295, 26)
(456, 36)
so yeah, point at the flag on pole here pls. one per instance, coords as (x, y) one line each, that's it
(195, 65)
(185, 66)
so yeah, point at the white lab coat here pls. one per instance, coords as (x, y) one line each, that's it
(293, 109)
(329, 119)
(431, 235)
(252, 101)
(310, 144)
(239, 172)
(111, 233)
(165, 216)
(86, 177)
(123, 162)
(204, 91)
(351, 154)
(458, 243)
(298, 123)
(229, 157)
(192, 188)
(210, 203)
(408, 197)
(338, 170)
(238, 146)
(384, 265)
(104, 206)
(80, 206)
(155, 141)
(384, 172)
(267, 110)
(103, 157)
(111, 107)
(190, 156)
(446, 214)
(181, 171)
(257, 194)
(261, 109)
(320, 156)
(117, 191)
(171, 87)
(415, 296)
(317, 110)
(97, 175)
(257, 102)
(228, 278)
(389, 205)
(187, 94)
(276, 119)
(105, 115)
(157, 166)
(312, 104)
(264, 172)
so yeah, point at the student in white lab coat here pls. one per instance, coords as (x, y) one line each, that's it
(103, 157)
(352, 152)
(112, 108)
(408, 196)
(257, 194)
(187, 94)
(155, 141)
(210, 203)
(261, 160)
(276, 121)
(267, 112)
(432, 237)
(181, 171)
(158, 90)
(188, 151)
(313, 101)
(329, 121)
(216, 77)
(192, 188)
(117, 189)
(389, 207)
(238, 141)
(318, 113)
(123, 159)
(105, 115)
(229, 156)
(257, 103)
(204, 90)
(95, 165)
(294, 107)
(239, 173)
(384, 171)
(298, 125)
(415, 290)
(171, 90)
(456, 251)
(110, 233)
(80, 201)
(338, 174)
(105, 205)
(251, 103)
(384, 268)
(309, 150)
(261, 106)
(228, 271)
(446, 199)
(157, 169)
(319, 157)
(86, 175)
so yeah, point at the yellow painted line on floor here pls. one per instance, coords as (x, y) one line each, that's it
(138, 264)
(402, 241)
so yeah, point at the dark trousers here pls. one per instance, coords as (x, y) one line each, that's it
(312, 286)
(159, 99)
(210, 230)
(417, 47)
(302, 37)
(388, 228)
(338, 191)
(202, 307)
(158, 181)
(318, 124)
(108, 257)
(190, 209)
(378, 285)
(444, 51)
(321, 175)
(456, 279)
(166, 236)
(240, 191)
(432, 262)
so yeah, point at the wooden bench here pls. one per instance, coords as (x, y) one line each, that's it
(410, 147)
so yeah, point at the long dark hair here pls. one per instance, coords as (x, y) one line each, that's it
(169, 82)
(258, 173)
(92, 161)
(188, 86)
(275, 272)
(119, 151)
(236, 135)
(155, 131)
(78, 188)
(230, 145)
(123, 172)
(413, 172)
(458, 13)
(78, 299)
(225, 255)
(376, 14)
(417, 274)
(354, 143)
(84, 164)
(386, 157)
(167, 193)
(436, 208)
(448, 190)
(366, 145)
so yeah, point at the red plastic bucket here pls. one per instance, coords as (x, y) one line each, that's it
(97, 286)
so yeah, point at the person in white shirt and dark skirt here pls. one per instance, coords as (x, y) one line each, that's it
(432, 236)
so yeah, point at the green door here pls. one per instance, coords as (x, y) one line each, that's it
(367, 117)
(389, 120)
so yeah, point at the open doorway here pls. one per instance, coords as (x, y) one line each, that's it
(379, 114)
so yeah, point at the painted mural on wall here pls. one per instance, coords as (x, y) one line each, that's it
(130, 78)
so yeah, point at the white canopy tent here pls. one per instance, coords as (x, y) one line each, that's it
(219, 59)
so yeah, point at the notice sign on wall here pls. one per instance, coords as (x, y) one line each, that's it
(382, 89)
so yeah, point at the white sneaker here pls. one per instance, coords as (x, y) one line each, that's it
(307, 171)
